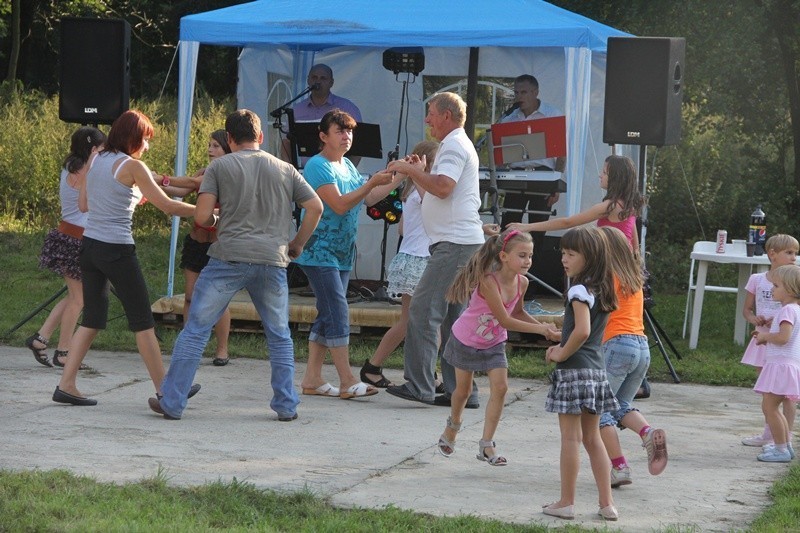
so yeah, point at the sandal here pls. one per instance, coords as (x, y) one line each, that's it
(220, 361)
(447, 447)
(494, 460)
(359, 390)
(40, 354)
(369, 368)
(65, 353)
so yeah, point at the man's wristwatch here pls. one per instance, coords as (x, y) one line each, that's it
(164, 180)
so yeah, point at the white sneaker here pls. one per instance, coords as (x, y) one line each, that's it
(772, 455)
(620, 476)
(768, 447)
(756, 440)
(655, 443)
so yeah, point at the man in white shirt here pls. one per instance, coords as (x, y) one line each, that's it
(450, 216)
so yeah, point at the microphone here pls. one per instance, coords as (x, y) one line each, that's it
(510, 110)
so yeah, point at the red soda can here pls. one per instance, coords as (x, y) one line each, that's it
(722, 236)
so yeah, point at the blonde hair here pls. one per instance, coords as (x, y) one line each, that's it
(624, 262)
(781, 242)
(596, 276)
(452, 102)
(482, 262)
(789, 276)
(428, 149)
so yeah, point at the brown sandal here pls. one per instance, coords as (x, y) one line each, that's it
(40, 354)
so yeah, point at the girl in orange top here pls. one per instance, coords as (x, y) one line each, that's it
(627, 356)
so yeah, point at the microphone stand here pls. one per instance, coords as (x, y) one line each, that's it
(278, 125)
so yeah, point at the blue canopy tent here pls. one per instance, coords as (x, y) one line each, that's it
(281, 39)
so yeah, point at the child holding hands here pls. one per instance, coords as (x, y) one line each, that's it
(580, 391)
(779, 380)
(759, 309)
(495, 278)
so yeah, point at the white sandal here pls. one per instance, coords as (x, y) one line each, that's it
(447, 447)
(494, 460)
(359, 390)
(326, 389)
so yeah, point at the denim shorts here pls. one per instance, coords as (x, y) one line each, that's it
(627, 360)
(331, 328)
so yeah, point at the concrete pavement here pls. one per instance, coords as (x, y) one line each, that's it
(381, 450)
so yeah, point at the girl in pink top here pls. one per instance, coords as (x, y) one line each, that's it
(759, 310)
(779, 379)
(621, 205)
(494, 281)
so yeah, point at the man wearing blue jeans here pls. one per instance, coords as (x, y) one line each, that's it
(255, 192)
(450, 216)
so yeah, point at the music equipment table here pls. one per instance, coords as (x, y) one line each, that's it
(533, 181)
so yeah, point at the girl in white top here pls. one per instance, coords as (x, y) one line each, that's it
(759, 309)
(779, 380)
(405, 269)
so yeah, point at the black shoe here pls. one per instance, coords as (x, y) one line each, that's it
(443, 400)
(644, 391)
(287, 418)
(155, 406)
(369, 368)
(217, 361)
(64, 397)
(193, 390)
(401, 391)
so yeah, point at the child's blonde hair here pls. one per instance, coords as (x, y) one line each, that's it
(789, 276)
(596, 276)
(485, 260)
(422, 148)
(623, 261)
(781, 242)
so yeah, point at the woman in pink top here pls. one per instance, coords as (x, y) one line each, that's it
(495, 277)
(621, 205)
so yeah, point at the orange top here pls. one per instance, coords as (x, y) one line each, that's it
(628, 318)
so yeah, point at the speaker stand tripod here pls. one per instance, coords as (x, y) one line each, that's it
(658, 332)
(36, 311)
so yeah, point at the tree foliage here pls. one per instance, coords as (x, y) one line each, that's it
(741, 112)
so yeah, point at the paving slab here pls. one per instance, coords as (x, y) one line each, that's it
(380, 451)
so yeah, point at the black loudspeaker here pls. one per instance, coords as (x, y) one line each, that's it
(95, 70)
(547, 267)
(644, 88)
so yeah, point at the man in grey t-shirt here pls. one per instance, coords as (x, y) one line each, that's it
(255, 192)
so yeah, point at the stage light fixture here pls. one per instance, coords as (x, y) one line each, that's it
(410, 59)
(388, 209)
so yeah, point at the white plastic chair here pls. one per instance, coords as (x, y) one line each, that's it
(703, 247)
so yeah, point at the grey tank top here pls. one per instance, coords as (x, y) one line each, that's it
(111, 203)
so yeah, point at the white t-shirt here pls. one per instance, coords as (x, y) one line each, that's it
(415, 240)
(455, 219)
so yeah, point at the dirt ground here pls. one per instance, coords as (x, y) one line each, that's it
(380, 451)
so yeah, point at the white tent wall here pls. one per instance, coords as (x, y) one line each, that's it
(360, 76)
(280, 42)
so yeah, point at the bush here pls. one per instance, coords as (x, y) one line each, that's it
(34, 142)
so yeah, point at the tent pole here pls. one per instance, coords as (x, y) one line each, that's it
(472, 92)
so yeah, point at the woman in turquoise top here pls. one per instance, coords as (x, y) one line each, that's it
(329, 254)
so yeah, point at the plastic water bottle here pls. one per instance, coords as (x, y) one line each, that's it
(758, 230)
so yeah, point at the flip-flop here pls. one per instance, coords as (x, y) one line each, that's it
(325, 389)
(359, 390)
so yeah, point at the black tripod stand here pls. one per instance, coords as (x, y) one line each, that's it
(658, 332)
(650, 320)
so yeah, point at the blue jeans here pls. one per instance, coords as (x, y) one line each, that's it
(216, 286)
(430, 319)
(627, 360)
(331, 328)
